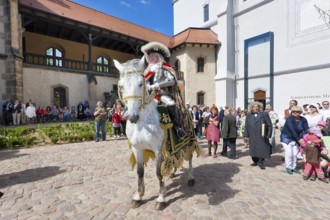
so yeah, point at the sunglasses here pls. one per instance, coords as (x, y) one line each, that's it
(312, 106)
(296, 112)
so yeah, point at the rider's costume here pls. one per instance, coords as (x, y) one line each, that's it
(161, 77)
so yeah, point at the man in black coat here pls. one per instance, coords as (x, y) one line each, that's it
(258, 128)
(229, 133)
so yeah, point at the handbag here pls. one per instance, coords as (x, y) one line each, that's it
(205, 131)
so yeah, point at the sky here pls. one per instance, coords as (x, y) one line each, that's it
(156, 15)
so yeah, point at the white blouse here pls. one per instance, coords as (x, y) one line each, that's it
(313, 119)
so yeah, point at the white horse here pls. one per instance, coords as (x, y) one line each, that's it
(143, 127)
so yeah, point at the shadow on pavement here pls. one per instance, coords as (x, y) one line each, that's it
(9, 154)
(30, 175)
(211, 180)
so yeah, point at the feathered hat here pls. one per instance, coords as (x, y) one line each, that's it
(155, 47)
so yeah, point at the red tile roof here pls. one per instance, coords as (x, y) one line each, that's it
(195, 36)
(77, 12)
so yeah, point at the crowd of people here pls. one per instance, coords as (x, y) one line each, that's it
(304, 134)
(19, 113)
(304, 131)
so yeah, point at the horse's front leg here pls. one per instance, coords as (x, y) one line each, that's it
(191, 178)
(140, 172)
(160, 202)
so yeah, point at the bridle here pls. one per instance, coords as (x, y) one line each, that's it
(145, 98)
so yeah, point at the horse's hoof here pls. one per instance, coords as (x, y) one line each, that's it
(136, 204)
(191, 182)
(160, 206)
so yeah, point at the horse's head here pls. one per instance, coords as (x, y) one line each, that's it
(131, 86)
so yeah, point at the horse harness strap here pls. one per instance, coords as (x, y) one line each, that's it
(145, 99)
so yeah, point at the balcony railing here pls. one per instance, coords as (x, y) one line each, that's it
(57, 62)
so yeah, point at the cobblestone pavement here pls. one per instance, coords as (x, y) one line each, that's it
(94, 181)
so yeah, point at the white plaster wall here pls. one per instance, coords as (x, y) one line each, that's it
(38, 85)
(240, 94)
(104, 84)
(277, 17)
(306, 87)
(184, 18)
(181, 14)
(221, 30)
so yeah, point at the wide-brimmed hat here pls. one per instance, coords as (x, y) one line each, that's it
(155, 47)
(316, 106)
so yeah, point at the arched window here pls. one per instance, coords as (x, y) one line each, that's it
(200, 98)
(177, 65)
(60, 96)
(54, 57)
(102, 65)
(200, 65)
(206, 12)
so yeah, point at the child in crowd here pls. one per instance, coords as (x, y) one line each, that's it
(322, 125)
(116, 121)
(312, 154)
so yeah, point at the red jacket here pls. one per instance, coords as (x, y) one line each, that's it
(40, 112)
(116, 118)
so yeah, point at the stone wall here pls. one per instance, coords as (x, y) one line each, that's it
(39, 83)
(11, 79)
(197, 81)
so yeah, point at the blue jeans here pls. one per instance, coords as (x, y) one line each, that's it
(99, 125)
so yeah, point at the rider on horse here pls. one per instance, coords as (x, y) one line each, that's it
(161, 78)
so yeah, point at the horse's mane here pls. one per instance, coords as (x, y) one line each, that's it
(132, 65)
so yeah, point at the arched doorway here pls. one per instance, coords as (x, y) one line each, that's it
(260, 96)
(60, 96)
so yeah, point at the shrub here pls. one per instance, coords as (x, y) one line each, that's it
(51, 134)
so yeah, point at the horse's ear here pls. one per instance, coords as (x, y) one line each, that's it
(118, 65)
(142, 62)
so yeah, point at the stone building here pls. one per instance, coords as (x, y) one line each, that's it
(60, 52)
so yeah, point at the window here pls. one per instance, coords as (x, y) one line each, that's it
(200, 98)
(115, 88)
(60, 96)
(206, 13)
(200, 64)
(177, 65)
(102, 65)
(54, 57)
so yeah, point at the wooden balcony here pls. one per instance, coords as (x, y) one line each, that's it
(77, 65)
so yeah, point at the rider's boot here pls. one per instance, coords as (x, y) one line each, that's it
(172, 110)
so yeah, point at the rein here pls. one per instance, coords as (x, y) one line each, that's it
(145, 98)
